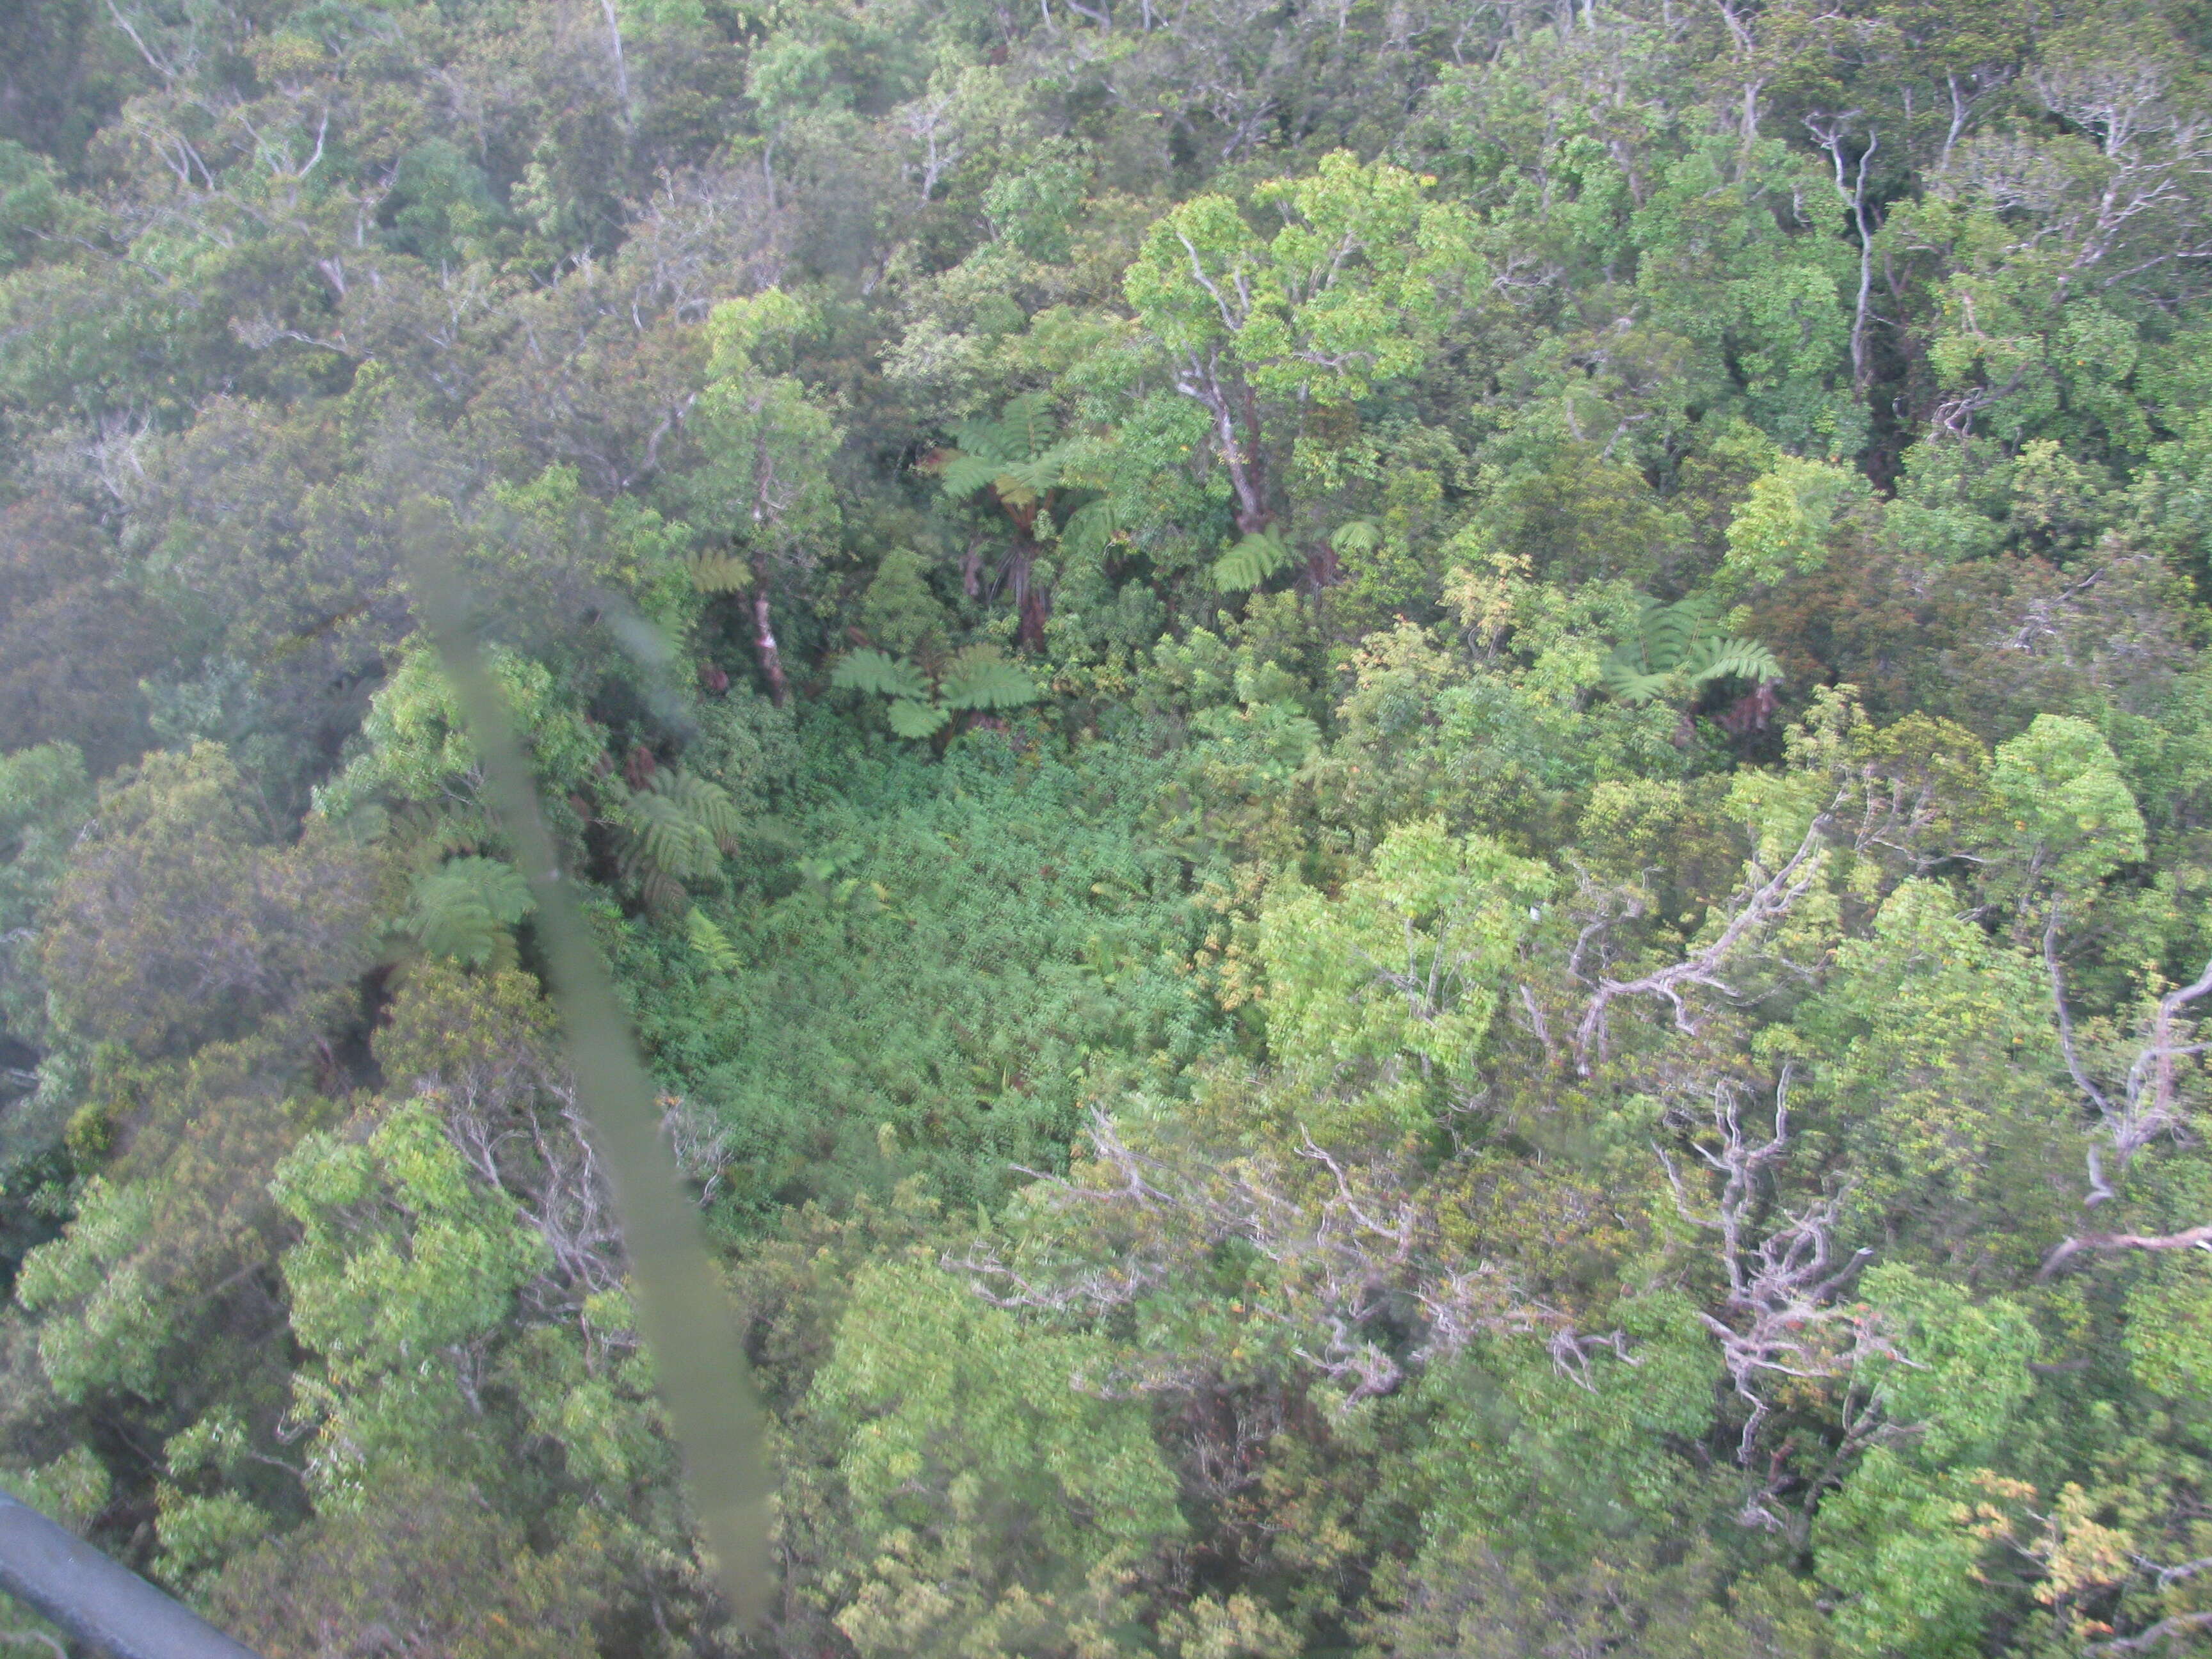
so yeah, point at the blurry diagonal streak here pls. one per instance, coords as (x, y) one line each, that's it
(683, 1314)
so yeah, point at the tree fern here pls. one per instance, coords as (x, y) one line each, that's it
(662, 835)
(1089, 528)
(1360, 535)
(710, 943)
(1019, 457)
(675, 829)
(877, 672)
(720, 573)
(1677, 648)
(1025, 484)
(466, 910)
(705, 803)
(425, 835)
(1251, 562)
(1714, 658)
(963, 475)
(911, 719)
(979, 677)
(1023, 430)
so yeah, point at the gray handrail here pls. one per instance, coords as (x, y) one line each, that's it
(95, 1600)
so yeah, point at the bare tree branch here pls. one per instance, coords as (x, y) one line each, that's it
(2198, 1237)
(1782, 1320)
(2175, 1625)
(1754, 910)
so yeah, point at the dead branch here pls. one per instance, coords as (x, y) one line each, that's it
(2146, 1105)
(1783, 1321)
(2174, 1625)
(1753, 910)
(1348, 1242)
(2198, 1237)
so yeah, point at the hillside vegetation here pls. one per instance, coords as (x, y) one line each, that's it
(1408, 802)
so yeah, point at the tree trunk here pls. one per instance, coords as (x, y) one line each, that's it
(1031, 601)
(1251, 485)
(771, 660)
(1201, 381)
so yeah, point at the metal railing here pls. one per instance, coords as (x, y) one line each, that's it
(98, 1601)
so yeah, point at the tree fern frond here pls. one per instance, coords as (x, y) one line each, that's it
(1027, 424)
(668, 839)
(1678, 647)
(1360, 535)
(1028, 481)
(1671, 631)
(710, 943)
(878, 671)
(964, 474)
(1091, 528)
(1023, 431)
(663, 894)
(1251, 562)
(706, 803)
(467, 909)
(454, 922)
(979, 677)
(911, 719)
(1623, 675)
(1715, 659)
(720, 573)
(426, 835)
(366, 825)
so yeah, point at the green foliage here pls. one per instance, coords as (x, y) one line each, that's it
(1365, 1126)
(710, 943)
(1968, 1371)
(1517, 1448)
(1471, 1600)
(402, 1254)
(995, 1508)
(179, 921)
(2169, 1330)
(900, 610)
(167, 1245)
(115, 1339)
(969, 950)
(1034, 205)
(1782, 528)
(1955, 1126)
(1678, 649)
(1301, 312)
(46, 801)
(766, 442)
(977, 677)
(1410, 962)
(414, 748)
(466, 910)
(1898, 1552)
(1253, 560)
(432, 1561)
(28, 200)
(2063, 809)
(884, 675)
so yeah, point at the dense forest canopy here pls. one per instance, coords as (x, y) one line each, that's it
(1408, 802)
